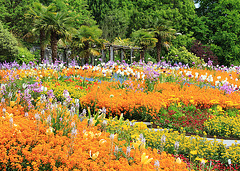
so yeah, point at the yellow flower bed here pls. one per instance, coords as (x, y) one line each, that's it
(73, 88)
(228, 126)
(193, 147)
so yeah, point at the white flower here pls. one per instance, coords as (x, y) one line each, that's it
(229, 161)
(112, 137)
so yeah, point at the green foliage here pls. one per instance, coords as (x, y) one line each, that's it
(115, 24)
(123, 42)
(148, 57)
(24, 55)
(222, 20)
(144, 39)
(56, 26)
(8, 45)
(121, 18)
(77, 10)
(164, 33)
(12, 15)
(37, 13)
(185, 40)
(182, 55)
(85, 40)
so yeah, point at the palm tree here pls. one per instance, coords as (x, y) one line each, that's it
(144, 39)
(86, 42)
(57, 26)
(37, 13)
(163, 33)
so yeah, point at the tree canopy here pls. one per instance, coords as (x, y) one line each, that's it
(222, 20)
(215, 24)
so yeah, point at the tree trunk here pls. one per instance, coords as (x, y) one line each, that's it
(87, 60)
(86, 48)
(54, 47)
(158, 46)
(142, 54)
(42, 47)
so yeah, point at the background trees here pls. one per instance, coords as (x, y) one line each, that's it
(57, 26)
(215, 24)
(12, 16)
(86, 42)
(144, 39)
(37, 13)
(8, 45)
(222, 19)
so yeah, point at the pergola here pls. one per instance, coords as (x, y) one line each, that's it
(111, 48)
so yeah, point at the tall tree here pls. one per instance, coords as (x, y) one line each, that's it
(144, 39)
(12, 16)
(57, 26)
(115, 24)
(222, 18)
(37, 13)
(163, 33)
(86, 42)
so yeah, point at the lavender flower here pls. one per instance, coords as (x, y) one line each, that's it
(112, 137)
(156, 164)
(26, 114)
(103, 110)
(37, 116)
(49, 119)
(176, 145)
(128, 151)
(74, 132)
(163, 139)
(116, 149)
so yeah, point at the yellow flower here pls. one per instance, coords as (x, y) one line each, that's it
(94, 156)
(199, 159)
(102, 141)
(12, 103)
(142, 146)
(49, 131)
(179, 104)
(194, 152)
(145, 159)
(89, 134)
(178, 161)
(136, 144)
(191, 101)
(98, 134)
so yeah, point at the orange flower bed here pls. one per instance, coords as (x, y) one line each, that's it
(27, 144)
(128, 99)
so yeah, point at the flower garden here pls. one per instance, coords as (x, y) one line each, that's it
(87, 117)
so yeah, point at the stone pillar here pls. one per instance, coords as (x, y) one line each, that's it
(103, 56)
(122, 55)
(131, 55)
(111, 53)
(92, 59)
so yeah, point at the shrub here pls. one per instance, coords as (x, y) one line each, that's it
(24, 55)
(182, 55)
(8, 45)
(204, 52)
(185, 40)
